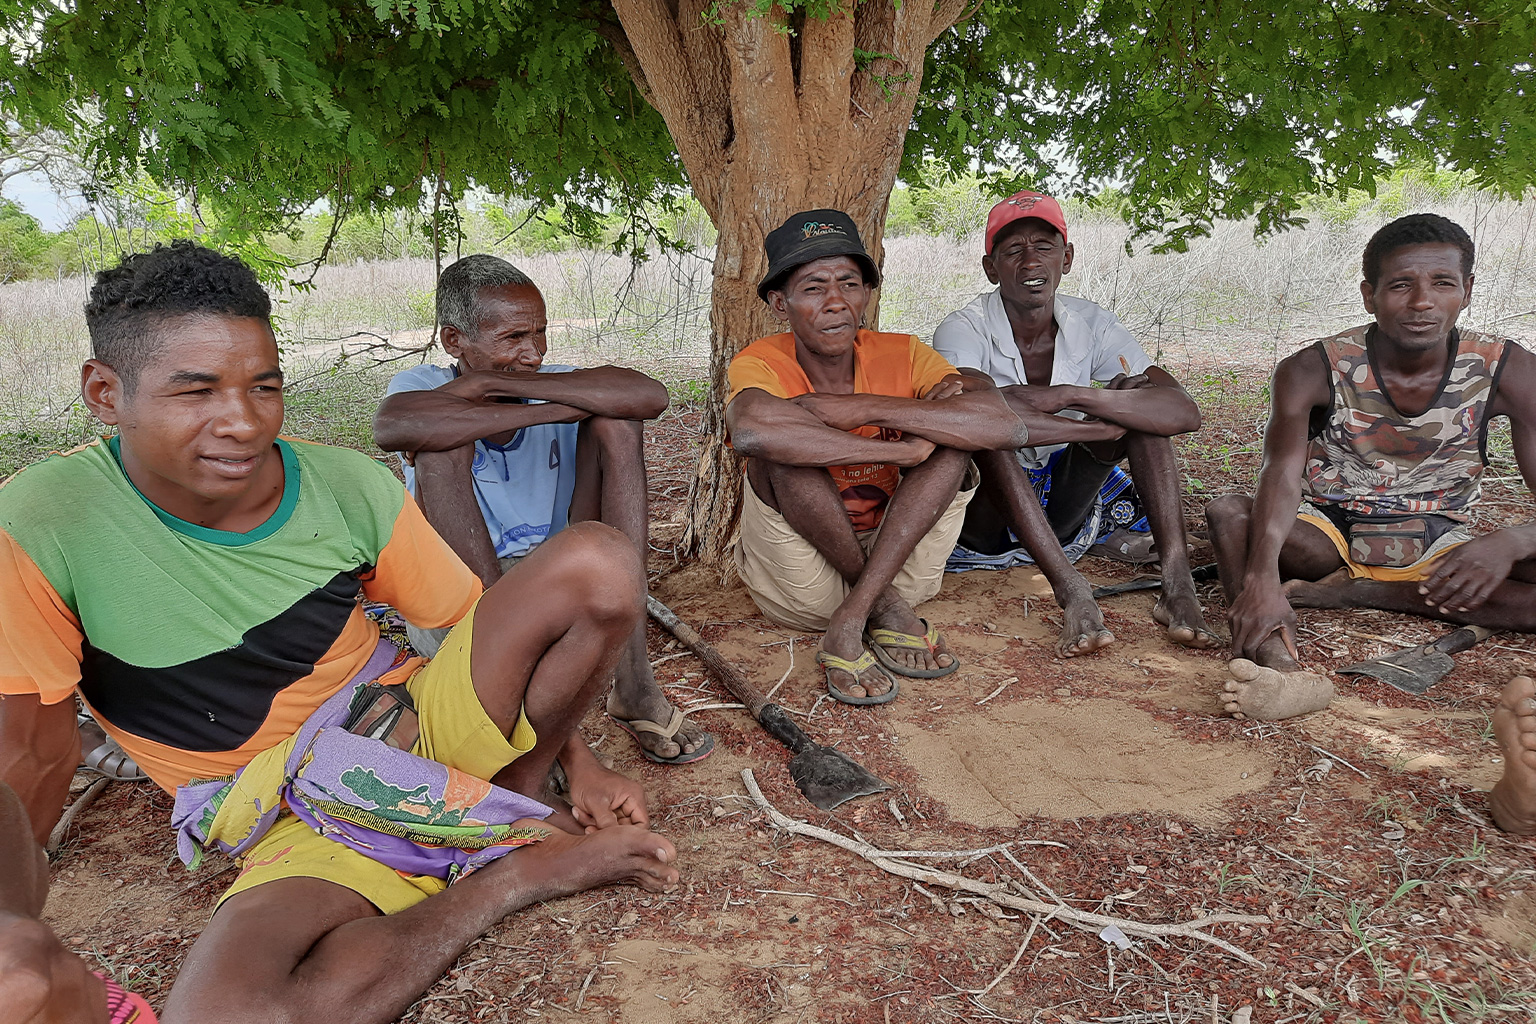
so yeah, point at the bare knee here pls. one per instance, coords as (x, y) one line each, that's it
(1137, 443)
(788, 489)
(947, 456)
(450, 464)
(600, 570)
(621, 435)
(1229, 508)
(780, 474)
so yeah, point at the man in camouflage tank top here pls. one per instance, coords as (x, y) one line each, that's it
(1373, 455)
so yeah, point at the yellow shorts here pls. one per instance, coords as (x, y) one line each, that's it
(794, 585)
(1385, 573)
(455, 730)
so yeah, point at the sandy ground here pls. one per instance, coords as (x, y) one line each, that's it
(1154, 809)
(1359, 833)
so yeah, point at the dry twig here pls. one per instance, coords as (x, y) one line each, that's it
(84, 800)
(1194, 929)
(1000, 689)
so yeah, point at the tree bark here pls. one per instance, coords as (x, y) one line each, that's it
(771, 115)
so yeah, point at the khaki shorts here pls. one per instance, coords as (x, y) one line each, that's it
(455, 730)
(794, 585)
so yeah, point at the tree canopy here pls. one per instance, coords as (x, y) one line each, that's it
(1198, 109)
(1194, 109)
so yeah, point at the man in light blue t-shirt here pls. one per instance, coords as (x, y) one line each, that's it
(502, 451)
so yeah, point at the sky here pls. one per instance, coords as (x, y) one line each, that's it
(32, 193)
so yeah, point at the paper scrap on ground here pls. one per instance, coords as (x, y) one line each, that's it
(1112, 933)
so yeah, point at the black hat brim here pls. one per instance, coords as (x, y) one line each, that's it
(815, 249)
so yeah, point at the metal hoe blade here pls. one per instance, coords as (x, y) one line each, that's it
(1412, 671)
(827, 777)
(1200, 574)
(1416, 669)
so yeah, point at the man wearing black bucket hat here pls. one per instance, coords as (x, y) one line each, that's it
(858, 468)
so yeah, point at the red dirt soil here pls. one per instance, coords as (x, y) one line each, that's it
(1361, 832)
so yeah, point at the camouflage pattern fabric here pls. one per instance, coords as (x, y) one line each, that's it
(1371, 459)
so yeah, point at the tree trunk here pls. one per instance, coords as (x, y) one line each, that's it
(771, 116)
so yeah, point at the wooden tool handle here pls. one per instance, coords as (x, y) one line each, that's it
(1462, 639)
(727, 673)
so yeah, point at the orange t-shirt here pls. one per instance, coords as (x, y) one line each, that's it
(898, 365)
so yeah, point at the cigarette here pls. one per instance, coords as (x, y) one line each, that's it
(1126, 366)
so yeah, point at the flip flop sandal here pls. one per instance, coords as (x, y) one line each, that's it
(113, 761)
(636, 726)
(879, 639)
(857, 667)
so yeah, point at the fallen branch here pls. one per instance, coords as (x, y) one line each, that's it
(84, 800)
(1000, 895)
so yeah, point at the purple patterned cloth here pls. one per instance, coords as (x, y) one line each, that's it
(404, 811)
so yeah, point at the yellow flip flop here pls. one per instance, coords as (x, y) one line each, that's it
(863, 663)
(879, 639)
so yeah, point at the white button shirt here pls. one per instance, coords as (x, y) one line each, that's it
(1090, 343)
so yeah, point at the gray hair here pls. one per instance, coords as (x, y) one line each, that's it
(458, 290)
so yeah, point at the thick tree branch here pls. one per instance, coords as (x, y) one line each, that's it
(704, 47)
(886, 91)
(1002, 895)
(769, 147)
(826, 82)
(614, 33)
(698, 123)
(949, 12)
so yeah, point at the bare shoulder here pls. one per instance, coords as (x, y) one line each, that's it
(1516, 395)
(1300, 382)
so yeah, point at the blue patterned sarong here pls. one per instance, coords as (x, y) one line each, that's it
(1118, 506)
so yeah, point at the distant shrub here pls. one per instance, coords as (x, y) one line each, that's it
(22, 243)
(901, 214)
(1411, 187)
(949, 203)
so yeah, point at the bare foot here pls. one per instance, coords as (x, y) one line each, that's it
(556, 799)
(563, 864)
(1269, 695)
(897, 615)
(1082, 623)
(1180, 615)
(1513, 800)
(1328, 592)
(846, 640)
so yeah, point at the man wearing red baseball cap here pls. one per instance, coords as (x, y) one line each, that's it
(858, 473)
(1065, 495)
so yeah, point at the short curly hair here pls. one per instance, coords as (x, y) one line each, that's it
(1415, 229)
(129, 301)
